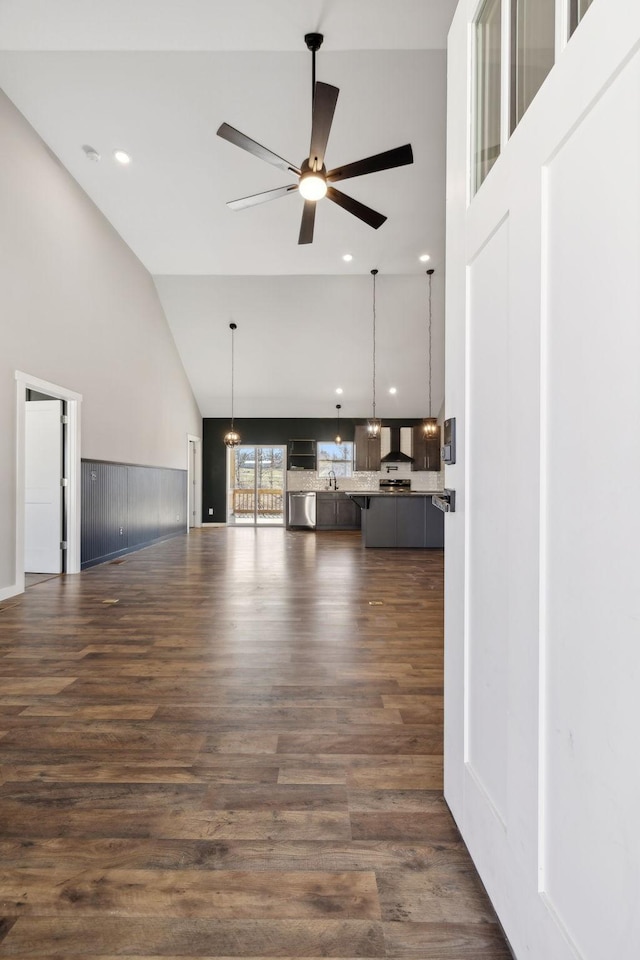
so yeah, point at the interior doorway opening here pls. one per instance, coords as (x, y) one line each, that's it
(69, 481)
(256, 485)
(194, 482)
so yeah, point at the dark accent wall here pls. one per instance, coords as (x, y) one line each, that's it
(267, 431)
(125, 507)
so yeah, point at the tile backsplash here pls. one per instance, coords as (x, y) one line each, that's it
(420, 480)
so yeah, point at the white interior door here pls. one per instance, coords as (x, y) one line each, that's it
(191, 482)
(43, 489)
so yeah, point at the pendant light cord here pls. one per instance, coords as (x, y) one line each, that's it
(373, 273)
(233, 330)
(430, 274)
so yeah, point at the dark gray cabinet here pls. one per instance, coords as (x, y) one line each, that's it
(347, 513)
(435, 525)
(336, 511)
(426, 451)
(397, 521)
(367, 451)
(410, 522)
(325, 511)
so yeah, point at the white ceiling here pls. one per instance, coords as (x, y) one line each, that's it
(157, 78)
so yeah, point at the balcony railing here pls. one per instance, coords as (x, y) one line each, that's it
(270, 503)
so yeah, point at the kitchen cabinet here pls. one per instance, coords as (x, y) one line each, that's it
(394, 520)
(367, 452)
(301, 455)
(336, 511)
(426, 450)
(411, 522)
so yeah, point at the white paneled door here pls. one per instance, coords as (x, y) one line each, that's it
(542, 559)
(43, 488)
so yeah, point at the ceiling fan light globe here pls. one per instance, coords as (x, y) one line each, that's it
(312, 186)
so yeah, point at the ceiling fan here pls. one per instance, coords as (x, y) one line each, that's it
(314, 181)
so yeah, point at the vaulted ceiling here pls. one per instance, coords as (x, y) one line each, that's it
(156, 78)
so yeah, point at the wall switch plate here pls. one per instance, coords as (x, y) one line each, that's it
(210, 511)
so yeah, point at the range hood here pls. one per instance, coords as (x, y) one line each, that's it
(395, 454)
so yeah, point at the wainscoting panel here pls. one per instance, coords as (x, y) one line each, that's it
(125, 507)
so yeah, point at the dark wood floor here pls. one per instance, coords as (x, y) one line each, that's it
(241, 757)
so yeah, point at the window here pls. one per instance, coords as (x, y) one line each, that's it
(577, 10)
(488, 42)
(337, 457)
(533, 42)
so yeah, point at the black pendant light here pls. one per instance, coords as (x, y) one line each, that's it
(430, 423)
(338, 436)
(374, 425)
(232, 438)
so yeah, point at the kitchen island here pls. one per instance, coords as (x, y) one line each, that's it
(399, 519)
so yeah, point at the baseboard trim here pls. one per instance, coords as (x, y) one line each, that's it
(7, 592)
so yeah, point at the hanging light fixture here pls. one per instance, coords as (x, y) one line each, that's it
(232, 438)
(338, 437)
(374, 425)
(430, 423)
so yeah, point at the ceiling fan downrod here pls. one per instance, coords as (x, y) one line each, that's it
(313, 42)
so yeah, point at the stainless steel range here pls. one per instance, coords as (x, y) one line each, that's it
(395, 485)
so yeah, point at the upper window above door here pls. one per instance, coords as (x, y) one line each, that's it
(533, 44)
(577, 10)
(488, 78)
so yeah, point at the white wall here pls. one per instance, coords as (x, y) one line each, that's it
(316, 332)
(543, 557)
(77, 309)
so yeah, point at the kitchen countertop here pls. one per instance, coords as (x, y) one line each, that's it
(392, 493)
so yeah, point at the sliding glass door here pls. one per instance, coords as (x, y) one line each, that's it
(255, 488)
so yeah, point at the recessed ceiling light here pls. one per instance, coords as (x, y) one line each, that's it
(392, 390)
(339, 390)
(347, 258)
(91, 153)
(425, 258)
(122, 157)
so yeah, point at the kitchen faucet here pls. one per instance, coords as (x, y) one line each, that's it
(332, 479)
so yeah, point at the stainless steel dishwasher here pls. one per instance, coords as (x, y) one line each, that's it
(302, 509)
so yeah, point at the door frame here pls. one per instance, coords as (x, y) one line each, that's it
(71, 466)
(45, 441)
(197, 480)
(231, 453)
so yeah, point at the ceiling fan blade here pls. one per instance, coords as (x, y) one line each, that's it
(251, 146)
(308, 220)
(324, 105)
(358, 209)
(256, 198)
(397, 157)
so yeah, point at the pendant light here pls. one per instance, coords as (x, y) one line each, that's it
(232, 438)
(374, 425)
(338, 437)
(430, 423)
